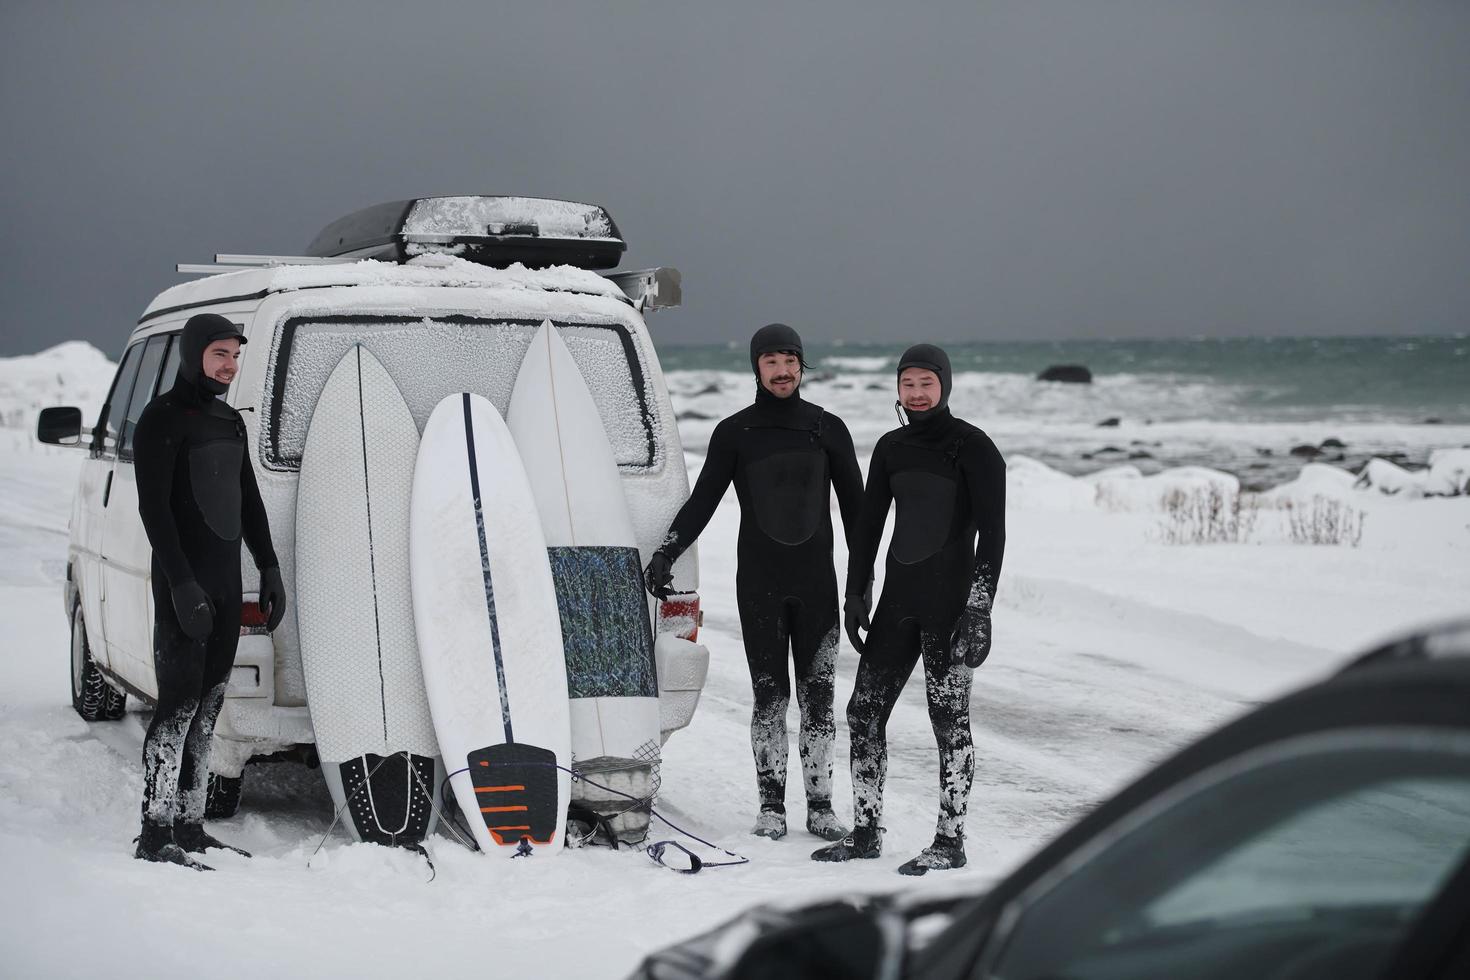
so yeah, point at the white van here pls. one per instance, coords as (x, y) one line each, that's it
(447, 293)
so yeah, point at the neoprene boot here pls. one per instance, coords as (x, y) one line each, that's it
(156, 844)
(821, 821)
(770, 823)
(864, 843)
(942, 855)
(193, 838)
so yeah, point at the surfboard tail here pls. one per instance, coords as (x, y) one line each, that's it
(516, 789)
(390, 798)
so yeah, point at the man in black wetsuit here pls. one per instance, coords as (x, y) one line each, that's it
(197, 496)
(782, 453)
(948, 482)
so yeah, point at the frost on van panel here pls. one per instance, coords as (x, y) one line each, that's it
(496, 215)
(630, 423)
(430, 360)
(604, 622)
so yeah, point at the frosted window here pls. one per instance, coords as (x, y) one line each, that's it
(430, 359)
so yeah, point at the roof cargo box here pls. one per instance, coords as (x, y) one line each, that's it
(494, 231)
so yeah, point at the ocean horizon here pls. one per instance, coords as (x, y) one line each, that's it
(1257, 407)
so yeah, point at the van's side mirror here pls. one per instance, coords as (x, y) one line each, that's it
(60, 426)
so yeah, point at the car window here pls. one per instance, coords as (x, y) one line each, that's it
(1311, 862)
(104, 437)
(170, 364)
(143, 391)
(430, 358)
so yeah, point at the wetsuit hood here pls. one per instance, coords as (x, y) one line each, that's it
(201, 330)
(771, 339)
(930, 358)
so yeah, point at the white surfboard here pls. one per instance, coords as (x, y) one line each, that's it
(364, 685)
(488, 629)
(612, 679)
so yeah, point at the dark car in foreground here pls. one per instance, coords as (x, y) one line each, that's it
(1323, 836)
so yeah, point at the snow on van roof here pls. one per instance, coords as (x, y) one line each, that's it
(428, 270)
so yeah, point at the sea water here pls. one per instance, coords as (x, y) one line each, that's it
(1256, 407)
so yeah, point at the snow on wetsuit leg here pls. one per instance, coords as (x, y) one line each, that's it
(947, 482)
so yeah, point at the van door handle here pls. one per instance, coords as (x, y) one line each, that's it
(107, 489)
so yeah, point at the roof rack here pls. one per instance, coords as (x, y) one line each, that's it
(226, 263)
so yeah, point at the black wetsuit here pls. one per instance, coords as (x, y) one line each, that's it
(782, 454)
(197, 496)
(947, 481)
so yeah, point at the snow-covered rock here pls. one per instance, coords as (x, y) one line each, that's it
(1315, 480)
(1124, 488)
(1449, 472)
(1033, 485)
(1386, 478)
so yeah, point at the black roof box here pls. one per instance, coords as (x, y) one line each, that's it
(494, 231)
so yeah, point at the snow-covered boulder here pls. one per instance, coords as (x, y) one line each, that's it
(1033, 485)
(1449, 472)
(1123, 488)
(1395, 481)
(1315, 480)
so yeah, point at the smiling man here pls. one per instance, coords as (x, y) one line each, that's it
(948, 484)
(785, 456)
(198, 497)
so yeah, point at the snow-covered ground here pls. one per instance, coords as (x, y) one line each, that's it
(1112, 649)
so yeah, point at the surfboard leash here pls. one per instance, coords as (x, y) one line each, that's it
(656, 850)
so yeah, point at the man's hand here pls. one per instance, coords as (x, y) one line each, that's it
(195, 611)
(855, 617)
(970, 643)
(272, 597)
(659, 576)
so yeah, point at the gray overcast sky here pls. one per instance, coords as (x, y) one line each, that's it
(1002, 170)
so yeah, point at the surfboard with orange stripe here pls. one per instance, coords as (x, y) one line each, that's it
(489, 630)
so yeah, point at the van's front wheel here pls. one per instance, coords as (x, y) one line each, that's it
(92, 697)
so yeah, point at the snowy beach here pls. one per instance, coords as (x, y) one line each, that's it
(1114, 646)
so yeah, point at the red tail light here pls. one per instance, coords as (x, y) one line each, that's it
(252, 618)
(679, 614)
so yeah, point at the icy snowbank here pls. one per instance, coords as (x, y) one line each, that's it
(74, 373)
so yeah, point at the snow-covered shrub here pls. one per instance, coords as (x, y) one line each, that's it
(1322, 520)
(1212, 514)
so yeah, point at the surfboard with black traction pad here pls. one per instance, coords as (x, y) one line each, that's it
(359, 652)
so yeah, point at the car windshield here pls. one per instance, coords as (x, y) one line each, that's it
(1322, 853)
(430, 358)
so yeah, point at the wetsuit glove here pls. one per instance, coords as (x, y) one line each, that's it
(195, 611)
(854, 618)
(970, 643)
(272, 597)
(659, 575)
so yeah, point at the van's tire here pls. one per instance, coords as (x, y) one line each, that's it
(114, 703)
(92, 697)
(222, 799)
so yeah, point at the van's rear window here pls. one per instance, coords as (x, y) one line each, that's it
(432, 357)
